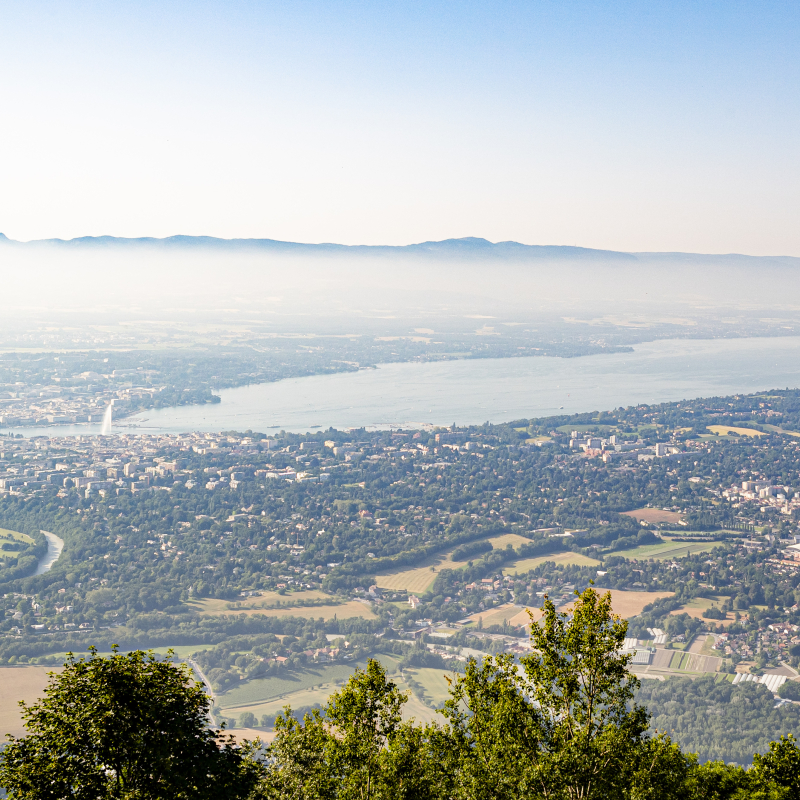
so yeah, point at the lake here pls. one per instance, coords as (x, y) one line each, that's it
(479, 390)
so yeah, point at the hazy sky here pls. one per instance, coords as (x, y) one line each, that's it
(623, 125)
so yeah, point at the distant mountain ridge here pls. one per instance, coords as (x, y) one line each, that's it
(467, 248)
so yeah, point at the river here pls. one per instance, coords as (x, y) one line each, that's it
(473, 391)
(55, 545)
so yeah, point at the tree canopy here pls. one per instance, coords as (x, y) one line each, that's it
(125, 726)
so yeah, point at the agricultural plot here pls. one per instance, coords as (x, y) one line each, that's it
(696, 607)
(629, 604)
(19, 683)
(419, 579)
(562, 559)
(513, 615)
(8, 535)
(259, 691)
(653, 515)
(347, 610)
(686, 662)
(513, 539)
(666, 550)
(433, 683)
(724, 430)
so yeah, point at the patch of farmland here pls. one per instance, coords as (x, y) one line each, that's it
(527, 564)
(15, 536)
(666, 550)
(629, 604)
(724, 430)
(261, 690)
(19, 683)
(352, 608)
(513, 539)
(654, 515)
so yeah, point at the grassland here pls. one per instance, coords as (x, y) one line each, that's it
(513, 615)
(696, 607)
(19, 683)
(305, 688)
(776, 429)
(513, 539)
(665, 550)
(8, 535)
(629, 604)
(433, 683)
(562, 559)
(419, 579)
(654, 515)
(255, 605)
(353, 608)
(724, 430)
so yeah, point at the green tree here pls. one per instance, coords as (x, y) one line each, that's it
(124, 726)
(776, 774)
(358, 747)
(564, 726)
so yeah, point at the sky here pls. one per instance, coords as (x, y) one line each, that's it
(658, 126)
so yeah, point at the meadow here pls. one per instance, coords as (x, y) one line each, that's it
(560, 559)
(666, 550)
(347, 610)
(419, 579)
(15, 536)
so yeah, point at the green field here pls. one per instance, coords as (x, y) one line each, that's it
(15, 535)
(262, 690)
(527, 564)
(433, 683)
(665, 550)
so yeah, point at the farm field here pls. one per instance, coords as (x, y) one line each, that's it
(15, 535)
(724, 430)
(212, 606)
(432, 681)
(414, 708)
(696, 607)
(629, 604)
(776, 429)
(419, 579)
(258, 692)
(514, 615)
(527, 564)
(665, 550)
(182, 651)
(353, 608)
(653, 515)
(19, 683)
(513, 539)
(299, 699)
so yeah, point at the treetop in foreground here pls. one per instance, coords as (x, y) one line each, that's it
(124, 726)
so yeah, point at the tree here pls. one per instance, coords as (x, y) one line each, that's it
(777, 773)
(562, 726)
(357, 747)
(124, 726)
(248, 720)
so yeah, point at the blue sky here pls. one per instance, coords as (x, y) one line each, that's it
(632, 126)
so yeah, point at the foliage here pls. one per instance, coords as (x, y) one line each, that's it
(357, 747)
(715, 719)
(126, 726)
(790, 690)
